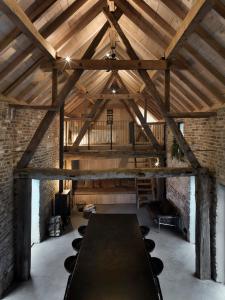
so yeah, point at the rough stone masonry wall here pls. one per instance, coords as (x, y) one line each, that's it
(206, 138)
(16, 130)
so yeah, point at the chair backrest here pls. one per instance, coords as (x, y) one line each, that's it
(157, 265)
(144, 230)
(149, 245)
(76, 244)
(69, 263)
(82, 229)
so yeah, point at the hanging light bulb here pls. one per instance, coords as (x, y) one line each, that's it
(113, 91)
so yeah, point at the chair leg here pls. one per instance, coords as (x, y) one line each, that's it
(158, 288)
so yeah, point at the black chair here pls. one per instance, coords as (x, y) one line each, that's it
(149, 245)
(157, 268)
(69, 263)
(82, 230)
(76, 244)
(144, 230)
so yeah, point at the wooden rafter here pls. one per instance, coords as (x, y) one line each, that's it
(47, 120)
(45, 31)
(34, 11)
(17, 15)
(151, 87)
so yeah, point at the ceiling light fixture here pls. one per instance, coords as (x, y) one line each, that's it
(68, 59)
(113, 91)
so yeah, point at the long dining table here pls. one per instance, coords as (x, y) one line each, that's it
(112, 263)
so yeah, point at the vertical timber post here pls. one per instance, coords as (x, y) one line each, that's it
(22, 198)
(61, 144)
(204, 194)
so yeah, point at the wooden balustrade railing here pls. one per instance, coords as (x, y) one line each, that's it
(117, 133)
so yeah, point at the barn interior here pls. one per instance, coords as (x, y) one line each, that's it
(119, 105)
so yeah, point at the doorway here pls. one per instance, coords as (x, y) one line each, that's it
(192, 215)
(220, 234)
(35, 212)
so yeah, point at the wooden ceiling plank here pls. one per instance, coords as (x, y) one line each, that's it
(34, 11)
(49, 117)
(189, 24)
(204, 98)
(175, 8)
(205, 63)
(45, 31)
(147, 80)
(23, 76)
(13, 10)
(204, 82)
(155, 17)
(141, 22)
(211, 41)
(219, 8)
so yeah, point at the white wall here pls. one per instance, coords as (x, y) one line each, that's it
(220, 234)
(35, 212)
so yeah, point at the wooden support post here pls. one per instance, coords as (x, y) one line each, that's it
(167, 90)
(203, 202)
(54, 85)
(145, 110)
(61, 144)
(22, 196)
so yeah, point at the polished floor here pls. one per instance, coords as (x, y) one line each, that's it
(177, 281)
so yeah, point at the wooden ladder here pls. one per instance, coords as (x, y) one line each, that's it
(145, 188)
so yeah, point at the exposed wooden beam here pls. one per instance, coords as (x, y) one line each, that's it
(204, 198)
(194, 16)
(34, 11)
(152, 89)
(36, 107)
(45, 31)
(17, 15)
(49, 117)
(146, 128)
(65, 174)
(166, 27)
(202, 114)
(116, 96)
(142, 23)
(96, 107)
(106, 64)
(86, 154)
(167, 89)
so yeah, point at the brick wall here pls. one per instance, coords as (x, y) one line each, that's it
(16, 129)
(206, 138)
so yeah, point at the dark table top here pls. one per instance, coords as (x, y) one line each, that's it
(112, 263)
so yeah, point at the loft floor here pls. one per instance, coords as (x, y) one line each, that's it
(177, 281)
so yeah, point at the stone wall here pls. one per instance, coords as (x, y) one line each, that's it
(16, 129)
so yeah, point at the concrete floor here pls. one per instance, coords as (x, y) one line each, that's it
(177, 281)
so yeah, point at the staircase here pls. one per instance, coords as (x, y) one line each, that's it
(145, 188)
